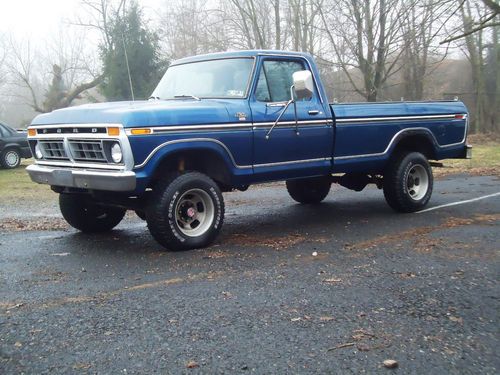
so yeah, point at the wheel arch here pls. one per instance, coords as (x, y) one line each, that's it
(9, 146)
(207, 157)
(417, 140)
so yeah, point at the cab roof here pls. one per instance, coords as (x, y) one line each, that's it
(235, 54)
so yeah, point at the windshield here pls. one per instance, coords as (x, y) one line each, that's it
(227, 78)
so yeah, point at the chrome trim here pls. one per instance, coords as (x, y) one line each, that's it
(303, 122)
(85, 125)
(83, 179)
(276, 104)
(290, 162)
(394, 139)
(398, 118)
(128, 158)
(229, 153)
(82, 165)
(192, 140)
(223, 127)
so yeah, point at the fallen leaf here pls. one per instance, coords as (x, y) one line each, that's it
(295, 319)
(18, 344)
(326, 318)
(390, 363)
(346, 345)
(363, 347)
(192, 364)
(456, 319)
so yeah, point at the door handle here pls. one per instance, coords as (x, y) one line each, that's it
(313, 112)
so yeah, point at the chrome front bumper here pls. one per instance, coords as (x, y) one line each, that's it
(83, 179)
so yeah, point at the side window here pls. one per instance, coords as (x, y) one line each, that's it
(275, 79)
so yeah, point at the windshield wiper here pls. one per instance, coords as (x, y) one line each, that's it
(186, 96)
(154, 97)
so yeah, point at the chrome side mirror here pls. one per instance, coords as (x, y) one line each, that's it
(303, 84)
(303, 87)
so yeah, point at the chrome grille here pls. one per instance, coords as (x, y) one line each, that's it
(53, 149)
(88, 150)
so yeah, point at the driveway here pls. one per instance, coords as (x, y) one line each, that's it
(334, 288)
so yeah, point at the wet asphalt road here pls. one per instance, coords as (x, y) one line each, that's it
(418, 288)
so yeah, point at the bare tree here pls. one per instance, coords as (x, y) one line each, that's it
(66, 68)
(421, 25)
(304, 15)
(489, 18)
(192, 27)
(365, 36)
(474, 41)
(3, 57)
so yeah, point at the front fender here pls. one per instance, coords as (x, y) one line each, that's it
(146, 169)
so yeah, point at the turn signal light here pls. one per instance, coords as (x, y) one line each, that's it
(114, 131)
(31, 132)
(140, 131)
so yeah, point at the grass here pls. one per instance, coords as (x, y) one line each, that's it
(16, 184)
(485, 158)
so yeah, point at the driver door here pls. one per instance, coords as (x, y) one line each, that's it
(288, 146)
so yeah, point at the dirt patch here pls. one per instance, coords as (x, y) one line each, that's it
(277, 243)
(418, 234)
(39, 224)
(464, 169)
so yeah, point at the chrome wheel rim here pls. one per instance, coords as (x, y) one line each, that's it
(417, 182)
(194, 212)
(12, 158)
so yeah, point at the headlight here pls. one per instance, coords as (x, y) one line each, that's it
(38, 151)
(116, 153)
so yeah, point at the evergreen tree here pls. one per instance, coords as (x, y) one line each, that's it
(128, 32)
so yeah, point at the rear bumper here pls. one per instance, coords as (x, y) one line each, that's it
(467, 152)
(83, 179)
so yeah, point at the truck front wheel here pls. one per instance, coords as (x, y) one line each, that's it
(83, 214)
(309, 190)
(408, 182)
(186, 211)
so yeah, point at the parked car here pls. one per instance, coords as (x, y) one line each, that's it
(225, 121)
(13, 146)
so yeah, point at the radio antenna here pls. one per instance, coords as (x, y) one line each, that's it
(128, 68)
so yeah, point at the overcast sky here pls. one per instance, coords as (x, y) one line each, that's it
(41, 19)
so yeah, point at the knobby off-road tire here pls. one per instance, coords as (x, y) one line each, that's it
(408, 182)
(186, 211)
(83, 214)
(309, 190)
(10, 158)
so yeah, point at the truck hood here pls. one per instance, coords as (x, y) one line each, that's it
(140, 113)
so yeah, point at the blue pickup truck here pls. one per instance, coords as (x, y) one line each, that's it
(224, 121)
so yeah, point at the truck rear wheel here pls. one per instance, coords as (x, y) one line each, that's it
(83, 214)
(186, 211)
(408, 182)
(309, 190)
